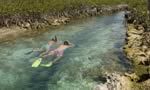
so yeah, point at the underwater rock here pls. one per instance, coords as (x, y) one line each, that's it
(115, 82)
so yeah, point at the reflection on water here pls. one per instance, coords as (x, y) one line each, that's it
(98, 49)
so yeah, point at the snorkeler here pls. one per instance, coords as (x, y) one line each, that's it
(46, 49)
(52, 42)
(59, 52)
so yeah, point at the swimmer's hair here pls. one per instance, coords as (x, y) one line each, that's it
(66, 43)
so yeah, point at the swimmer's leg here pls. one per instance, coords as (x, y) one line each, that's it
(56, 59)
(51, 62)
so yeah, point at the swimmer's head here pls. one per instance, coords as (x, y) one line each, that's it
(66, 43)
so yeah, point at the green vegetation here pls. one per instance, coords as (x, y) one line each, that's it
(23, 6)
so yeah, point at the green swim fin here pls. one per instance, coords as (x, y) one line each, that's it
(47, 65)
(37, 62)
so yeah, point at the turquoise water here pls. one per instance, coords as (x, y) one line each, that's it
(98, 49)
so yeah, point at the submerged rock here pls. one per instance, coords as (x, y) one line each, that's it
(115, 82)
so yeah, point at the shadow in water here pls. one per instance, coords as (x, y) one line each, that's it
(40, 77)
(118, 51)
(123, 60)
(144, 77)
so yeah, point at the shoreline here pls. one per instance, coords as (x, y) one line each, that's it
(137, 50)
(7, 34)
(13, 28)
(132, 48)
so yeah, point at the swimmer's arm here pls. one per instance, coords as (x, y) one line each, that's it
(45, 55)
(36, 49)
(33, 50)
(72, 45)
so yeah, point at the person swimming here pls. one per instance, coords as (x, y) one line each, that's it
(43, 50)
(52, 42)
(47, 47)
(59, 52)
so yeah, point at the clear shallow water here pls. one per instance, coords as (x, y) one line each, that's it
(98, 49)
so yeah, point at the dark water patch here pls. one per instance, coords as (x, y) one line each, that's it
(144, 77)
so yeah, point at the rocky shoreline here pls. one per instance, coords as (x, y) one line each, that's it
(16, 25)
(137, 50)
